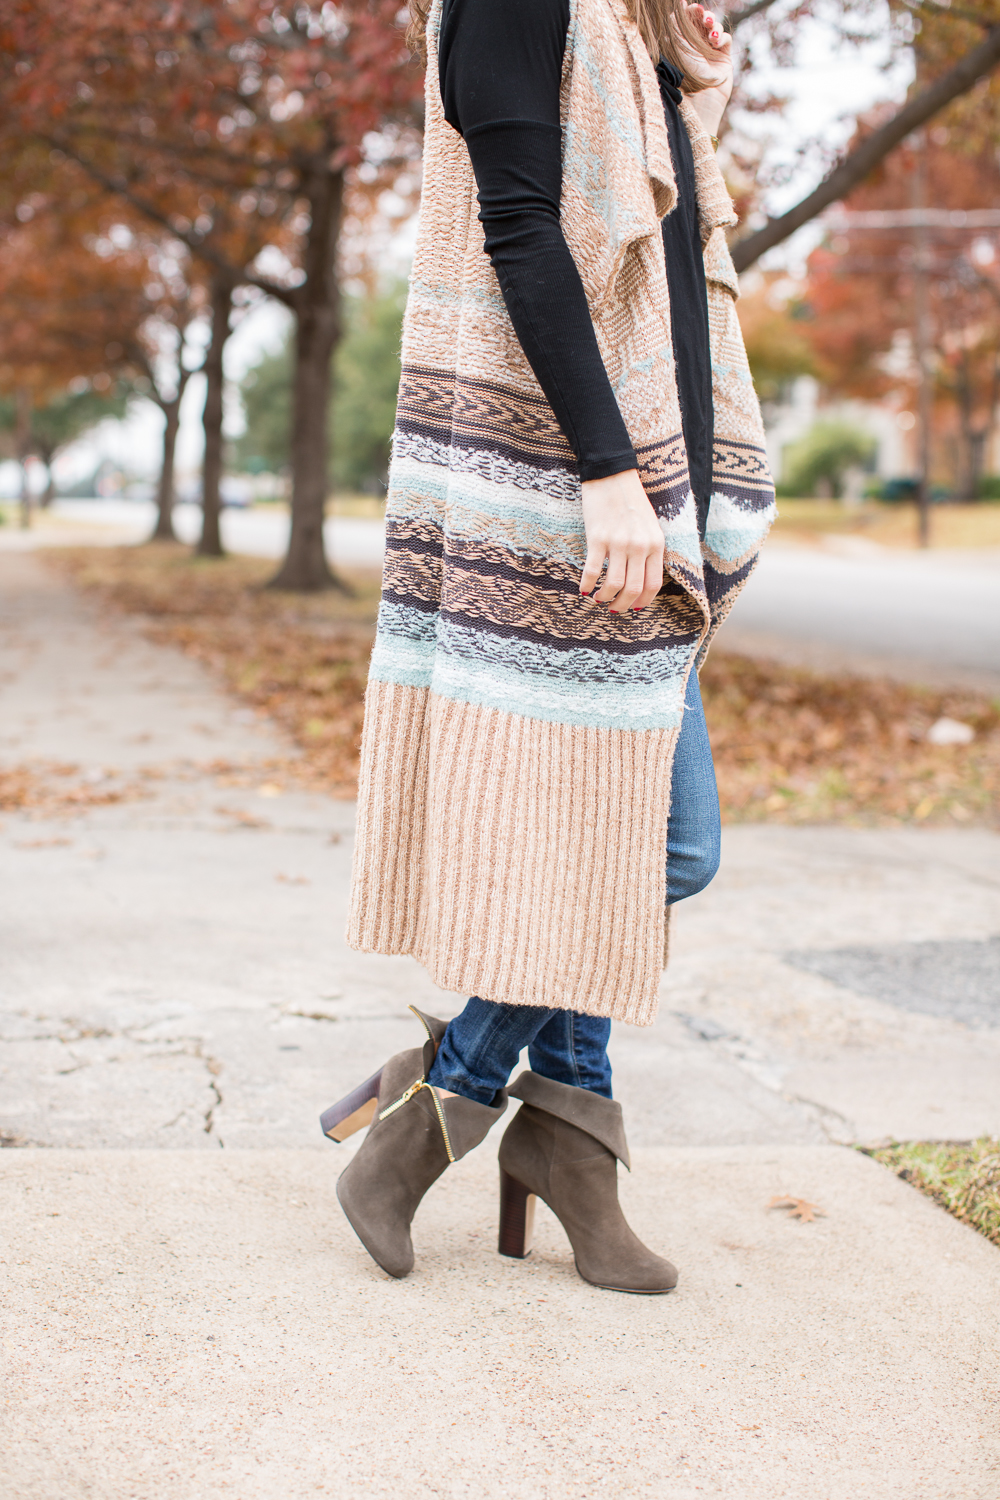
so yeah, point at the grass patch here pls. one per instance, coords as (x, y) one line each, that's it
(963, 1176)
(890, 525)
(790, 746)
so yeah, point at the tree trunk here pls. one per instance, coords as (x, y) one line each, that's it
(985, 434)
(966, 487)
(164, 531)
(210, 544)
(317, 309)
(23, 442)
(49, 493)
(922, 342)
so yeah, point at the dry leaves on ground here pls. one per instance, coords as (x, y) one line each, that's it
(46, 790)
(793, 746)
(302, 659)
(798, 1208)
(790, 746)
(962, 1176)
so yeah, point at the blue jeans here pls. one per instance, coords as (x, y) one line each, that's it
(480, 1048)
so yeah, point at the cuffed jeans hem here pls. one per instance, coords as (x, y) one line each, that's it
(481, 1047)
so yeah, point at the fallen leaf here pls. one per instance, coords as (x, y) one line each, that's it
(48, 790)
(242, 818)
(798, 1208)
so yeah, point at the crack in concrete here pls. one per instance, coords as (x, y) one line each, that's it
(71, 1032)
(214, 1069)
(825, 1116)
(838, 1129)
(183, 1046)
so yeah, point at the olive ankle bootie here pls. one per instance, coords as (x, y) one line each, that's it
(414, 1136)
(563, 1146)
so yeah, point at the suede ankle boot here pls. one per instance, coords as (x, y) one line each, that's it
(414, 1136)
(563, 1146)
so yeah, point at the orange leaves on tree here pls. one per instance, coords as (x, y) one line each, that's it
(234, 125)
(861, 295)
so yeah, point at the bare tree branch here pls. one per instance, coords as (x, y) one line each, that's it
(953, 12)
(738, 16)
(856, 166)
(239, 275)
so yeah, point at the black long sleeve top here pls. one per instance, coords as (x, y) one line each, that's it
(500, 64)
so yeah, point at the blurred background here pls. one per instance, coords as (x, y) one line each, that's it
(206, 219)
(207, 214)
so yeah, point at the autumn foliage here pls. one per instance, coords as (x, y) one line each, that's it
(861, 299)
(238, 128)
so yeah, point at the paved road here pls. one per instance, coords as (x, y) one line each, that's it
(847, 605)
(262, 532)
(184, 1317)
(932, 617)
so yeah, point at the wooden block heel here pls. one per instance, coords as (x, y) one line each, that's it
(517, 1217)
(353, 1112)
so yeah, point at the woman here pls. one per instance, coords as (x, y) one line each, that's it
(578, 490)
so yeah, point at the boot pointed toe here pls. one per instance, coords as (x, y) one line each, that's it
(652, 1279)
(414, 1136)
(563, 1146)
(385, 1237)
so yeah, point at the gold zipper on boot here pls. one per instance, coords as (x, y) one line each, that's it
(405, 1098)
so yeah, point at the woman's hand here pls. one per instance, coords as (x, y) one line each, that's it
(710, 102)
(621, 527)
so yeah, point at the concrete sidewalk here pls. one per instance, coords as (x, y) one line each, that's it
(182, 1325)
(188, 1318)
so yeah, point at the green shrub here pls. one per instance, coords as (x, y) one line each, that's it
(826, 452)
(362, 404)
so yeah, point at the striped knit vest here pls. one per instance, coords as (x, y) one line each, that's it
(518, 739)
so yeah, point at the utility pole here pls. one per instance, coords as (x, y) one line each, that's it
(24, 408)
(922, 340)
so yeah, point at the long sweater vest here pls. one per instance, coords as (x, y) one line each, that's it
(518, 738)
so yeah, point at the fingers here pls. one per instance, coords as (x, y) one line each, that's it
(624, 558)
(614, 578)
(593, 567)
(633, 579)
(712, 25)
(652, 580)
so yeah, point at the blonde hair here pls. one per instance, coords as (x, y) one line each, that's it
(662, 23)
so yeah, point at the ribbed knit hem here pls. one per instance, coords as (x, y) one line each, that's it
(517, 859)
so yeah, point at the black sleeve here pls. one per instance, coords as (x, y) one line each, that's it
(500, 69)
